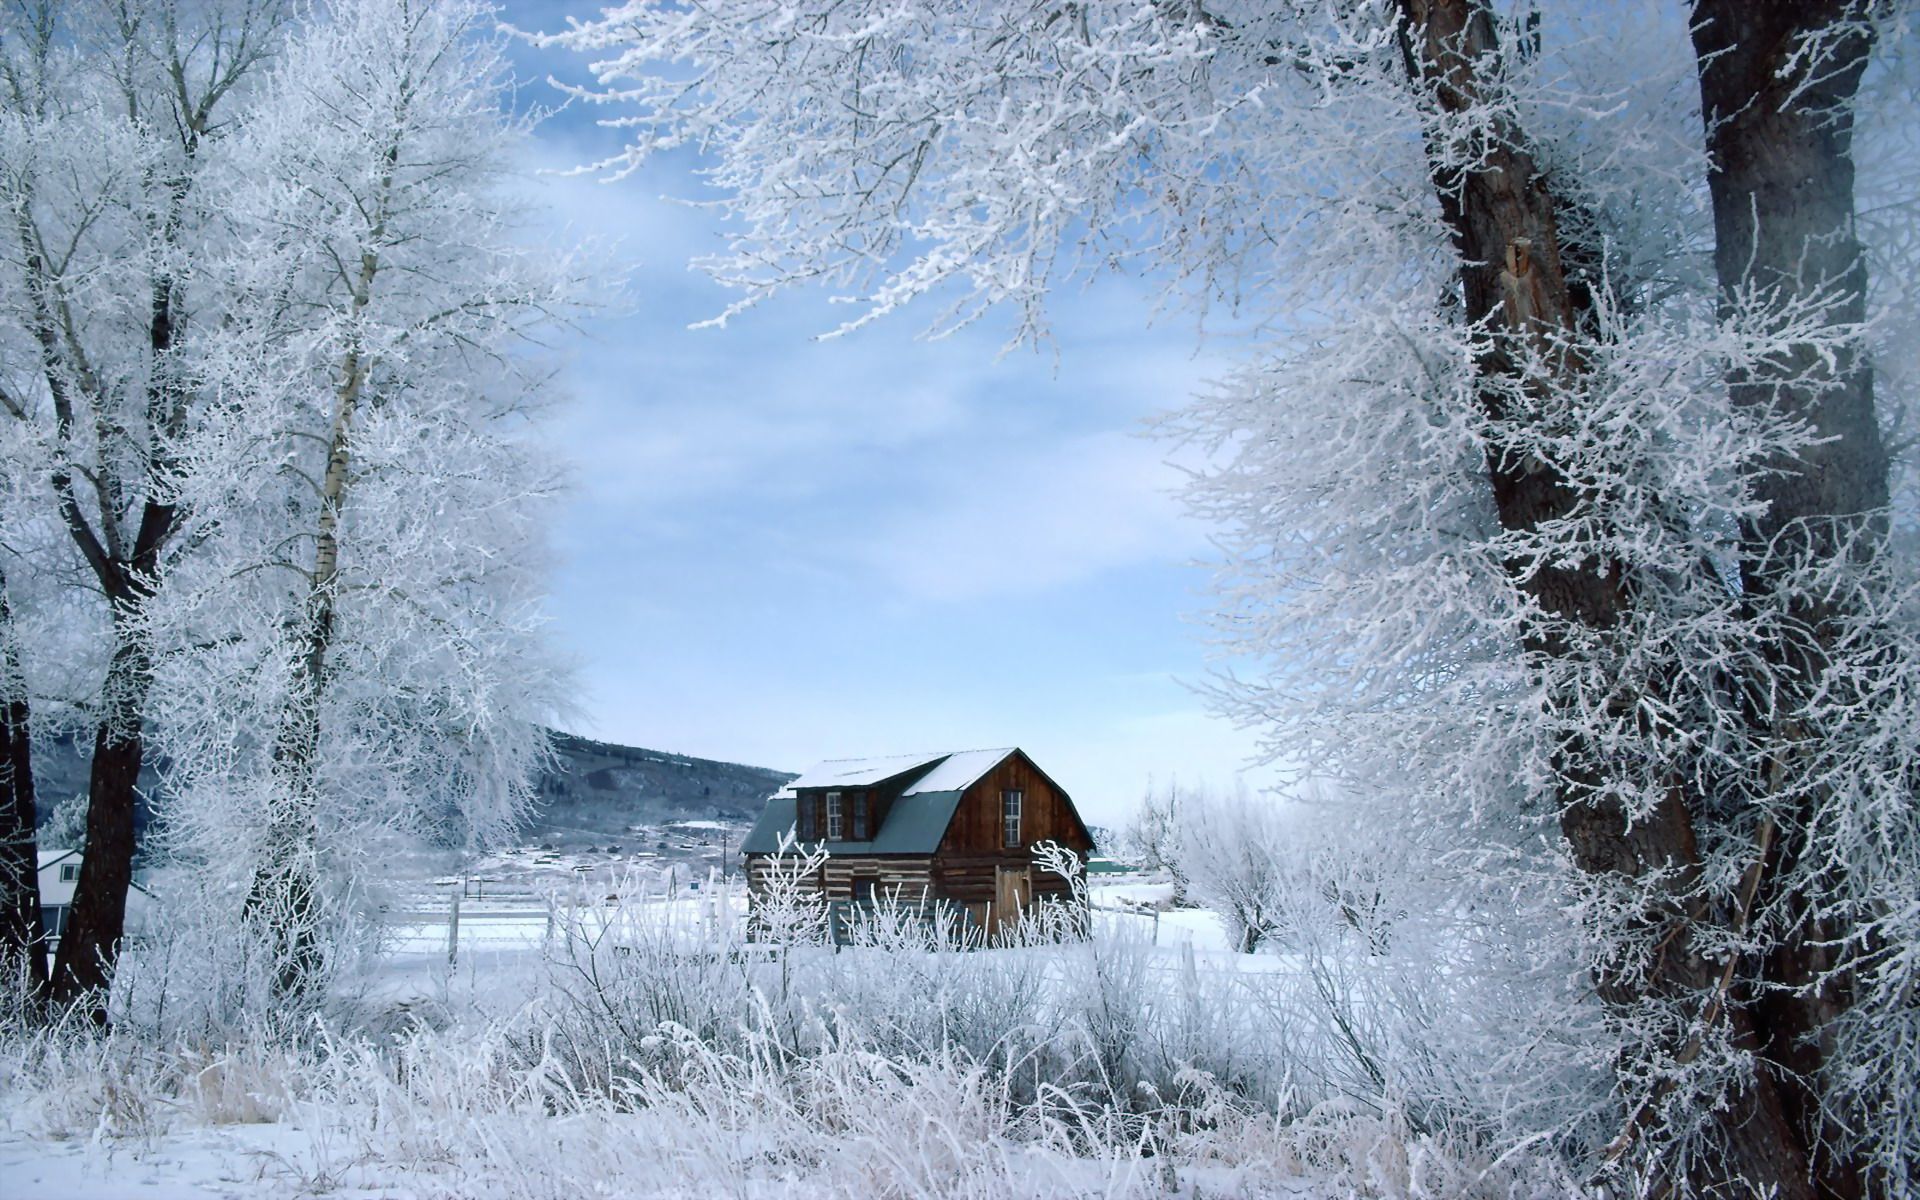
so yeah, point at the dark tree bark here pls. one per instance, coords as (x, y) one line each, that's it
(120, 511)
(1782, 184)
(125, 574)
(20, 919)
(90, 943)
(1779, 130)
(1503, 216)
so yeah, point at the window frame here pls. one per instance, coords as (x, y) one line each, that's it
(862, 817)
(1012, 814)
(69, 872)
(836, 817)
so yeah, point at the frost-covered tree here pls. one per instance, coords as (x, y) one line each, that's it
(1592, 576)
(377, 588)
(1231, 849)
(263, 324)
(111, 117)
(1268, 865)
(1152, 835)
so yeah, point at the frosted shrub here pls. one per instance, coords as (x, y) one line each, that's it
(200, 972)
(501, 1107)
(622, 970)
(662, 1048)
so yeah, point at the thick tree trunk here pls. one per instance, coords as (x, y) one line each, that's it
(126, 575)
(1779, 128)
(20, 921)
(1502, 214)
(1782, 183)
(90, 943)
(119, 508)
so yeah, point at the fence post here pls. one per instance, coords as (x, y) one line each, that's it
(453, 926)
(712, 906)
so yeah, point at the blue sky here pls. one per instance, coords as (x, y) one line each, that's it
(779, 549)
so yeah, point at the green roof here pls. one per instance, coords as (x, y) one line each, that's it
(914, 825)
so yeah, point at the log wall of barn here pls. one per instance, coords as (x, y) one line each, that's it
(911, 876)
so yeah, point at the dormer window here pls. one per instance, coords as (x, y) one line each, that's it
(1010, 817)
(834, 820)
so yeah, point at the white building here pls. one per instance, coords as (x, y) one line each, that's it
(59, 876)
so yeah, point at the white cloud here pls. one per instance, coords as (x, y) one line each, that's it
(1018, 519)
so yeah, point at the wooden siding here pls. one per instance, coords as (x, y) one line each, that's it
(912, 876)
(975, 867)
(1045, 815)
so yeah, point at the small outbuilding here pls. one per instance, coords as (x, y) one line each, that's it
(954, 829)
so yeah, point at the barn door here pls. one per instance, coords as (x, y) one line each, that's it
(1011, 888)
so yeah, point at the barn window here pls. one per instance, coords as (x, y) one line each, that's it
(860, 817)
(1010, 816)
(833, 816)
(69, 872)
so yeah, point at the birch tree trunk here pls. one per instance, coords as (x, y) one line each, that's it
(285, 888)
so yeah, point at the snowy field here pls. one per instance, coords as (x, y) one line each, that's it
(640, 1045)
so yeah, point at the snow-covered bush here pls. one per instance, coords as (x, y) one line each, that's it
(1403, 976)
(1151, 838)
(192, 975)
(489, 1109)
(1232, 850)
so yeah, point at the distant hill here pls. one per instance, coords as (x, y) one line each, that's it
(595, 789)
(599, 789)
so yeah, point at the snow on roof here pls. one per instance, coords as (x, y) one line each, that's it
(50, 857)
(855, 772)
(961, 770)
(952, 771)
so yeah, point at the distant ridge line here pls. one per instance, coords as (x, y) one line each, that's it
(579, 744)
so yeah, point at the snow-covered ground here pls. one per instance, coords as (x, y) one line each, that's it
(498, 1096)
(218, 1162)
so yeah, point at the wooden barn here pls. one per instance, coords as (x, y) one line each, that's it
(943, 829)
